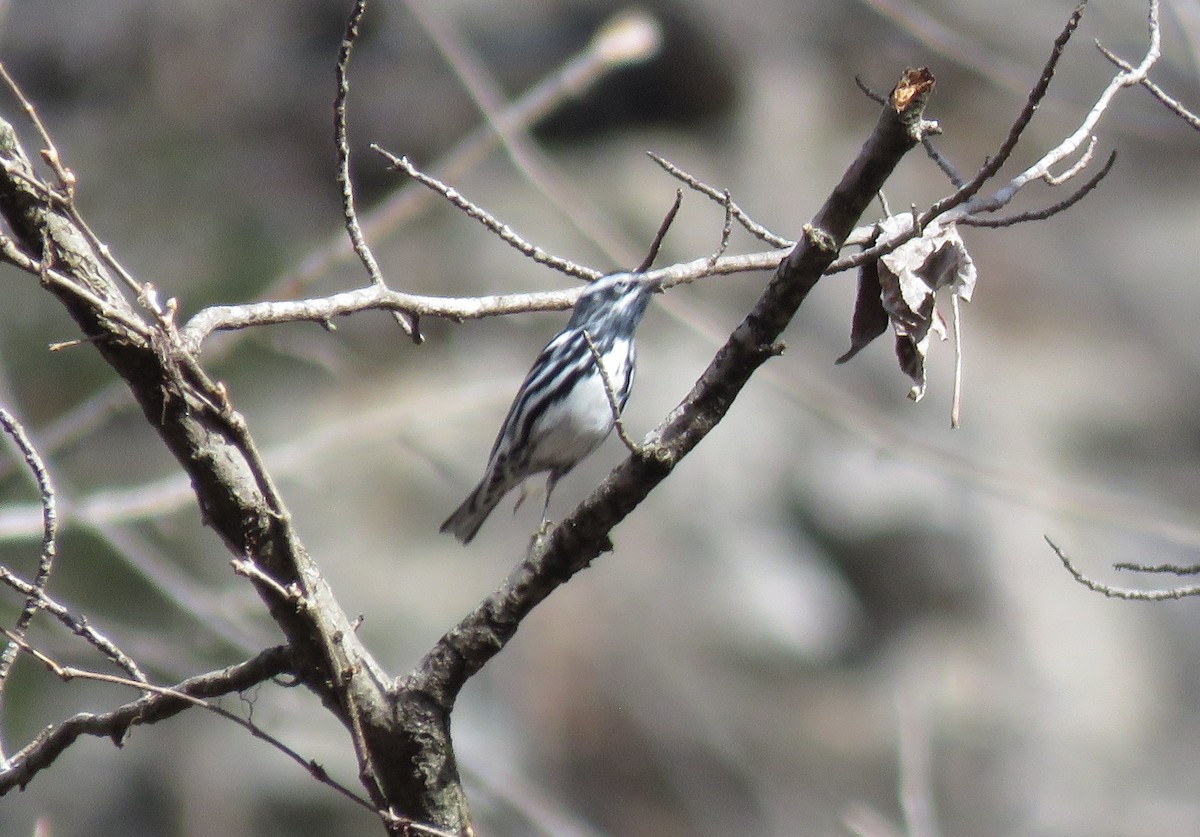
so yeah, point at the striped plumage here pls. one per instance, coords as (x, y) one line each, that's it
(562, 413)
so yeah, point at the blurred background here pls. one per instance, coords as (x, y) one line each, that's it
(837, 617)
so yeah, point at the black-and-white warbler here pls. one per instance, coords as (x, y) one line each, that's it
(562, 412)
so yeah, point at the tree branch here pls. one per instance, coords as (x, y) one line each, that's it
(152, 707)
(1121, 592)
(358, 241)
(323, 309)
(584, 535)
(37, 467)
(196, 420)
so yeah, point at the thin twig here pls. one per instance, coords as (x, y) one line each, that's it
(472, 210)
(611, 394)
(324, 309)
(408, 324)
(719, 195)
(78, 625)
(964, 203)
(627, 38)
(1121, 592)
(1032, 101)
(573, 204)
(1086, 129)
(648, 262)
(161, 702)
(989, 169)
(65, 176)
(868, 92)
(246, 568)
(1047, 212)
(12, 254)
(16, 431)
(956, 179)
(69, 673)
(726, 230)
(65, 199)
(1172, 104)
(37, 467)
(1082, 163)
(1173, 569)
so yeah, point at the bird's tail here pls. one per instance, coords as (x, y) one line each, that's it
(468, 517)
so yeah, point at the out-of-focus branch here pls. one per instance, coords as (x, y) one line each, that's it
(627, 38)
(553, 185)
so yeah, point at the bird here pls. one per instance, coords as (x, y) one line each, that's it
(562, 411)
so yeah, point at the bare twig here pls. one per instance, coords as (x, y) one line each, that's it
(964, 206)
(1172, 104)
(66, 179)
(757, 230)
(1086, 128)
(472, 210)
(726, 230)
(78, 625)
(234, 317)
(1082, 163)
(323, 309)
(611, 394)
(159, 703)
(50, 275)
(37, 467)
(868, 92)
(1173, 569)
(629, 37)
(535, 166)
(956, 179)
(1032, 101)
(16, 432)
(65, 197)
(1121, 592)
(408, 323)
(246, 568)
(1047, 212)
(989, 169)
(648, 262)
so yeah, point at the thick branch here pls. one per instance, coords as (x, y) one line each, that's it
(573, 544)
(196, 421)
